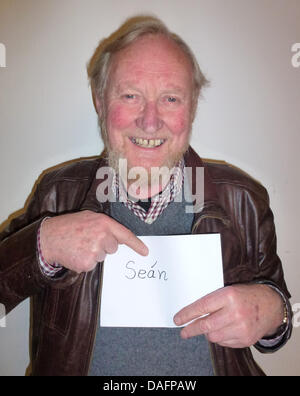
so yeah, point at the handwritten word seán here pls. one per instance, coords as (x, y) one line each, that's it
(141, 273)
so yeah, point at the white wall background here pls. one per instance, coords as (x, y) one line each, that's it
(249, 117)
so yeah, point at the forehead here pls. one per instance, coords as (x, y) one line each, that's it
(151, 55)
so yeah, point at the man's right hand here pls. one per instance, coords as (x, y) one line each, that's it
(78, 241)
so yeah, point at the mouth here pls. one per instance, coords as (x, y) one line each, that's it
(147, 143)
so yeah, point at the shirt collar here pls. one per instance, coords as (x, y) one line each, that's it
(159, 202)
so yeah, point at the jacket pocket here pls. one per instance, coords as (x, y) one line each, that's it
(59, 307)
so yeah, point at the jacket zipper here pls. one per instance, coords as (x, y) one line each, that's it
(212, 359)
(195, 225)
(97, 316)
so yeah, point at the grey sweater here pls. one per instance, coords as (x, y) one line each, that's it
(151, 351)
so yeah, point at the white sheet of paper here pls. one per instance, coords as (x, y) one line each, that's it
(148, 291)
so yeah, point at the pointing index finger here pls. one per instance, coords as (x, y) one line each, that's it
(125, 237)
(206, 305)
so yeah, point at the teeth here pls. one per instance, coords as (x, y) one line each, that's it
(147, 143)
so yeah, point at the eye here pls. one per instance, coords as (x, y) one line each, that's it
(129, 97)
(170, 100)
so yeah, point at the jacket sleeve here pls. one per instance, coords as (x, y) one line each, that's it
(253, 220)
(20, 272)
(272, 272)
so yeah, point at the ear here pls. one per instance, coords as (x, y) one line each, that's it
(194, 109)
(98, 103)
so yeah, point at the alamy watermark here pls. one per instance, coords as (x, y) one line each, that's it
(296, 318)
(2, 316)
(2, 55)
(296, 57)
(134, 180)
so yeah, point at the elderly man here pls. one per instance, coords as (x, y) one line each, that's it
(145, 83)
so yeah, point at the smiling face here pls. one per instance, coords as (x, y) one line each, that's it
(148, 103)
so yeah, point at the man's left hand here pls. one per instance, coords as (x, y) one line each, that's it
(236, 316)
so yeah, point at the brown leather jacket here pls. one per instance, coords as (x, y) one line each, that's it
(65, 310)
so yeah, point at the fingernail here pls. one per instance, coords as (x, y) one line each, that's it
(145, 251)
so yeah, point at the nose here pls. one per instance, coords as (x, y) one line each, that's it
(149, 120)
